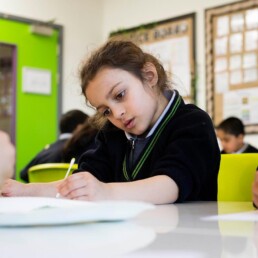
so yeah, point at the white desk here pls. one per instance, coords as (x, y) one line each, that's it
(168, 231)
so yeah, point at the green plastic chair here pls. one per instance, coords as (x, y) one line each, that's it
(49, 172)
(236, 175)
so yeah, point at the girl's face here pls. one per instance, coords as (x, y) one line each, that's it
(126, 102)
(230, 143)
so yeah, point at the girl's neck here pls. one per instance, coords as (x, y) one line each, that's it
(162, 103)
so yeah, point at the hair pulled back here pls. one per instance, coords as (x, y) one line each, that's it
(124, 55)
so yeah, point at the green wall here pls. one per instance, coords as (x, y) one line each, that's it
(36, 115)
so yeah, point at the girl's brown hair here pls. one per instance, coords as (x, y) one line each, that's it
(124, 55)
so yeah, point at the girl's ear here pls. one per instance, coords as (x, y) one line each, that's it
(150, 74)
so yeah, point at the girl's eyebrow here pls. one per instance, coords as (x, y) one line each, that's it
(112, 89)
(109, 93)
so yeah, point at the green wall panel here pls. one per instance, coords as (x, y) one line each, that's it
(36, 114)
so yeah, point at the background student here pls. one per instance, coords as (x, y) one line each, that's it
(7, 157)
(231, 133)
(81, 140)
(151, 147)
(53, 153)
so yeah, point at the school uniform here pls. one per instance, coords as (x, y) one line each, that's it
(247, 148)
(182, 145)
(52, 153)
(78, 148)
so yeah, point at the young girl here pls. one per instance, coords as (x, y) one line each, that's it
(151, 146)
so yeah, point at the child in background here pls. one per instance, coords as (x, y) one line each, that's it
(231, 133)
(53, 153)
(151, 147)
(81, 140)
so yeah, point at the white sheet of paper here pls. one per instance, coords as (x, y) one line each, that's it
(221, 82)
(222, 26)
(242, 216)
(235, 77)
(242, 104)
(249, 60)
(251, 40)
(221, 46)
(236, 43)
(221, 64)
(27, 211)
(231, 104)
(237, 22)
(250, 75)
(252, 18)
(235, 62)
(35, 80)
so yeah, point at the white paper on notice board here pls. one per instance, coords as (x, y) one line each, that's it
(35, 80)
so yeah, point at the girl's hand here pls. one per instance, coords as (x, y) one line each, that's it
(12, 188)
(84, 186)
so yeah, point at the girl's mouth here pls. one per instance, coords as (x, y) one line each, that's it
(129, 123)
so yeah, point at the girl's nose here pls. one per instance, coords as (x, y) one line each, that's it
(118, 113)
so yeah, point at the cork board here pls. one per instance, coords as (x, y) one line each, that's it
(172, 41)
(232, 62)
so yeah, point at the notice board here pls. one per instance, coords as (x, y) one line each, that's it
(172, 42)
(232, 63)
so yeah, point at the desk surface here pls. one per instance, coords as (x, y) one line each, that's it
(181, 230)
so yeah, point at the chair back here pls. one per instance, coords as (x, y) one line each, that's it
(49, 172)
(236, 175)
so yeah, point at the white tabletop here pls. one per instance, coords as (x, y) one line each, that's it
(180, 230)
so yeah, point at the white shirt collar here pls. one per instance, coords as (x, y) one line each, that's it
(64, 136)
(242, 149)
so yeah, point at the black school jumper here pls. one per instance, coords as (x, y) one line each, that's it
(184, 147)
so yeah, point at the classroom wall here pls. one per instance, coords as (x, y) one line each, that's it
(82, 23)
(123, 14)
(87, 23)
(38, 110)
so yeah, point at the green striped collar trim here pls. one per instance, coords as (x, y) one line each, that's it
(151, 144)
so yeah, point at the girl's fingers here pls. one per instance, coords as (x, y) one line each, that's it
(71, 183)
(77, 193)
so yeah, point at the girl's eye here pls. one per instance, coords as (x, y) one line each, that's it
(120, 95)
(106, 112)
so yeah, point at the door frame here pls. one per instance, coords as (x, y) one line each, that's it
(13, 86)
(57, 27)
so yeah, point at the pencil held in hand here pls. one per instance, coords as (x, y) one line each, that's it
(67, 173)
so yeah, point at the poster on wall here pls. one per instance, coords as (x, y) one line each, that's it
(35, 80)
(232, 62)
(172, 42)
